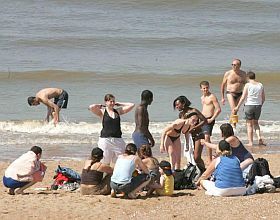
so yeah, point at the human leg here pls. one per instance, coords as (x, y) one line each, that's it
(232, 103)
(169, 145)
(177, 154)
(118, 149)
(20, 190)
(249, 124)
(106, 145)
(197, 155)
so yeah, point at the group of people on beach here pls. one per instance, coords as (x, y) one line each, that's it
(135, 167)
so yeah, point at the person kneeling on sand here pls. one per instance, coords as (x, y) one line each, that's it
(92, 181)
(24, 171)
(123, 179)
(227, 174)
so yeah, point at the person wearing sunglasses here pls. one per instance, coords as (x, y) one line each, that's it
(232, 84)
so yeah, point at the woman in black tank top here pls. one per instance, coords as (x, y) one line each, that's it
(92, 181)
(110, 140)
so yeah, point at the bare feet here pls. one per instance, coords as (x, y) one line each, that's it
(261, 143)
(20, 192)
(249, 145)
(11, 191)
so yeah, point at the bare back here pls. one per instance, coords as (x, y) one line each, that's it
(141, 118)
(48, 93)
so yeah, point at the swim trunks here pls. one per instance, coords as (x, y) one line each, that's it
(139, 139)
(208, 128)
(235, 95)
(252, 112)
(62, 100)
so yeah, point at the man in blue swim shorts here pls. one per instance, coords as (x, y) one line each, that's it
(141, 134)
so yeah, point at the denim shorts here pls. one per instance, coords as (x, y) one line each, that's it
(13, 184)
(129, 187)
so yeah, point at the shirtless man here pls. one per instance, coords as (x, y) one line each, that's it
(141, 134)
(210, 109)
(45, 95)
(234, 80)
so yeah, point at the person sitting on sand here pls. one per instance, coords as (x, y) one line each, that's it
(238, 149)
(123, 179)
(145, 153)
(166, 186)
(92, 181)
(228, 180)
(24, 171)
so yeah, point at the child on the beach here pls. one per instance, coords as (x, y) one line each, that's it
(166, 185)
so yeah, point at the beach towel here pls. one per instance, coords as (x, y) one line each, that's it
(189, 150)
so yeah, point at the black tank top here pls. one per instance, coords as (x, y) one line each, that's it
(91, 177)
(111, 127)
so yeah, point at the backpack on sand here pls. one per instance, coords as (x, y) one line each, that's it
(184, 179)
(260, 167)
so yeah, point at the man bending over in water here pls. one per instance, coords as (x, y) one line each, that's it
(45, 95)
(234, 81)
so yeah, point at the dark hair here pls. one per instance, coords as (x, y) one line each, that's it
(30, 100)
(204, 83)
(146, 95)
(130, 149)
(183, 100)
(251, 75)
(226, 130)
(166, 167)
(145, 150)
(225, 148)
(238, 61)
(37, 150)
(96, 156)
(108, 97)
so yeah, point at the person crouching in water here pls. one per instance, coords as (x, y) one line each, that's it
(124, 179)
(227, 174)
(24, 171)
(92, 181)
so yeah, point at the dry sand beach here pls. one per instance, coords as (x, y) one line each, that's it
(185, 204)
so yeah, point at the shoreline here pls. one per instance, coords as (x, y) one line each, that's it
(185, 204)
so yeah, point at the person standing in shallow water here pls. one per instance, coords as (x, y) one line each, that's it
(110, 140)
(142, 135)
(183, 105)
(210, 109)
(254, 94)
(45, 95)
(234, 81)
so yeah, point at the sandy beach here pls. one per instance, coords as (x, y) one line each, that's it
(185, 204)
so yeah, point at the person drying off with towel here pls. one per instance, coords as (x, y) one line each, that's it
(227, 174)
(24, 171)
(45, 96)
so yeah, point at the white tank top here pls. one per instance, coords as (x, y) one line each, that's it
(254, 96)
